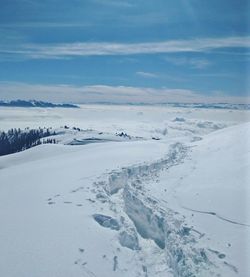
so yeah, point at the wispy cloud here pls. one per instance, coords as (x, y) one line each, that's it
(45, 24)
(190, 62)
(64, 50)
(109, 94)
(116, 3)
(146, 74)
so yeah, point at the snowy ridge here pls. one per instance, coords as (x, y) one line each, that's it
(76, 136)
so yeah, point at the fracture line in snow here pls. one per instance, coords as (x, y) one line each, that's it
(216, 215)
(184, 255)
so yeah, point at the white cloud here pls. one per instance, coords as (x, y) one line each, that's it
(146, 74)
(108, 94)
(191, 62)
(116, 3)
(65, 50)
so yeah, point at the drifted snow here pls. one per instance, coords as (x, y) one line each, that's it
(47, 206)
(130, 207)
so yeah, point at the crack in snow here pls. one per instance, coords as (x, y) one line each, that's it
(165, 227)
(216, 215)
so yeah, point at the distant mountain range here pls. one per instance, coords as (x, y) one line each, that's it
(41, 104)
(34, 103)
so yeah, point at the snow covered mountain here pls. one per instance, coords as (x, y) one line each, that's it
(172, 206)
(34, 103)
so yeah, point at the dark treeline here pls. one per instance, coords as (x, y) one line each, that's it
(16, 140)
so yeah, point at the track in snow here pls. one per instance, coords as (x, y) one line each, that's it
(138, 218)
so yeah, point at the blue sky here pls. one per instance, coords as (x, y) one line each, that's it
(124, 50)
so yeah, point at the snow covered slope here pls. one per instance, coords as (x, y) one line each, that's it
(47, 201)
(175, 205)
(210, 189)
(216, 190)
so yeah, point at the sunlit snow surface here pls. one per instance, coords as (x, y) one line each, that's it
(171, 200)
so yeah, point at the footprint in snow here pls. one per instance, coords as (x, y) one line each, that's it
(84, 263)
(90, 200)
(219, 255)
(115, 259)
(77, 261)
